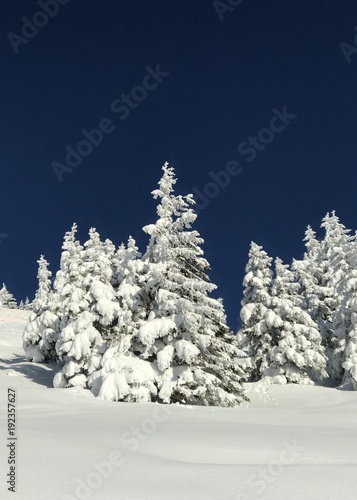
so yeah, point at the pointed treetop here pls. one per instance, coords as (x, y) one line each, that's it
(70, 237)
(43, 267)
(333, 228)
(175, 214)
(166, 182)
(73, 230)
(310, 234)
(257, 256)
(94, 239)
(132, 249)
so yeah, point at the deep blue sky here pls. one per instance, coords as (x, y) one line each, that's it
(225, 78)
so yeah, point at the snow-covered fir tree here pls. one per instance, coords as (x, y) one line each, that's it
(321, 276)
(186, 334)
(98, 275)
(129, 282)
(280, 339)
(41, 331)
(122, 375)
(87, 307)
(118, 362)
(296, 353)
(6, 298)
(336, 248)
(186, 351)
(253, 338)
(312, 274)
(344, 359)
(344, 354)
(130, 292)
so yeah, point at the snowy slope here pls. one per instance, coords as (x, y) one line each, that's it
(292, 442)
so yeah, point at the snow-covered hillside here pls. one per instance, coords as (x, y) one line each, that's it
(292, 442)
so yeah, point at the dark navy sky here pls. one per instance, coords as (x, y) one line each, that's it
(226, 70)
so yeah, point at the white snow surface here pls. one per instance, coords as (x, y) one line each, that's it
(291, 442)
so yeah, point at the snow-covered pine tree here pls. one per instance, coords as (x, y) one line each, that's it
(253, 338)
(87, 304)
(128, 278)
(336, 249)
(344, 356)
(68, 282)
(122, 375)
(118, 308)
(296, 353)
(320, 274)
(6, 298)
(72, 307)
(186, 336)
(103, 303)
(41, 331)
(345, 353)
(98, 276)
(133, 300)
(313, 275)
(184, 349)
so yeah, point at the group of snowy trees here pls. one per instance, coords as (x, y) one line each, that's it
(144, 327)
(135, 327)
(299, 323)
